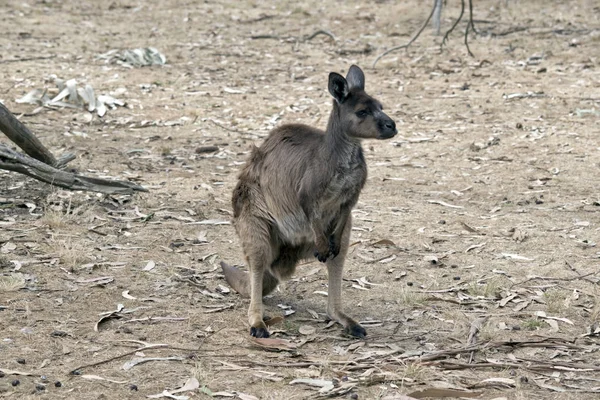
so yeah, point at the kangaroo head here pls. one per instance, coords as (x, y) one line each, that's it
(361, 115)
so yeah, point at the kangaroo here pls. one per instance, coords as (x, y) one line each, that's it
(295, 194)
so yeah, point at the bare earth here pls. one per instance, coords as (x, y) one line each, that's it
(485, 204)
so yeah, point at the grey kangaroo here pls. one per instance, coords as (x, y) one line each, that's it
(295, 194)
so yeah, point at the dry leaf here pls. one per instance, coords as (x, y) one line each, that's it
(190, 385)
(244, 396)
(384, 243)
(503, 382)
(273, 344)
(15, 372)
(7, 247)
(443, 203)
(275, 320)
(515, 257)
(325, 385)
(99, 378)
(126, 294)
(223, 394)
(168, 395)
(151, 264)
(443, 392)
(475, 246)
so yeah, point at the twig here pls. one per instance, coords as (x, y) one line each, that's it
(415, 36)
(28, 59)
(467, 38)
(320, 32)
(254, 37)
(152, 346)
(471, 17)
(462, 11)
(225, 127)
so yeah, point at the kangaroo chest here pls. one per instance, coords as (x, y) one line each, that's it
(346, 183)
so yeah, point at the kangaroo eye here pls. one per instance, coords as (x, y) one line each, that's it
(362, 113)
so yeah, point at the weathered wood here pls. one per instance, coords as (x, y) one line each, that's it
(14, 161)
(22, 137)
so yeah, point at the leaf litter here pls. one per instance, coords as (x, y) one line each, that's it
(71, 96)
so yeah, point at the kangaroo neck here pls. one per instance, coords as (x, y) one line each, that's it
(339, 144)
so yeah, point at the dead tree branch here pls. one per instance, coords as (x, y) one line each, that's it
(39, 163)
(415, 37)
(437, 16)
(449, 31)
(13, 161)
(22, 137)
(437, 6)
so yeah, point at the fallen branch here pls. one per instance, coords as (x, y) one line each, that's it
(13, 161)
(22, 137)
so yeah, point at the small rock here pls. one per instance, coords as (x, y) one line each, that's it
(456, 278)
(133, 387)
(21, 360)
(16, 382)
(409, 283)
(57, 384)
(40, 388)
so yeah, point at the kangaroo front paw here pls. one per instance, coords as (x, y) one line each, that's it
(321, 256)
(334, 246)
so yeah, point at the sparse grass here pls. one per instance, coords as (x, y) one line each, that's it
(71, 254)
(487, 332)
(11, 283)
(414, 371)
(410, 298)
(555, 300)
(490, 289)
(54, 220)
(165, 151)
(290, 327)
(533, 324)
(203, 371)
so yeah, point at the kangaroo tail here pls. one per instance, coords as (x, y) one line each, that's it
(237, 279)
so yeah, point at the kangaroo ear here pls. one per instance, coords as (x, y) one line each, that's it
(338, 87)
(356, 78)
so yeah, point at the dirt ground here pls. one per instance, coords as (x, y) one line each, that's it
(481, 213)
